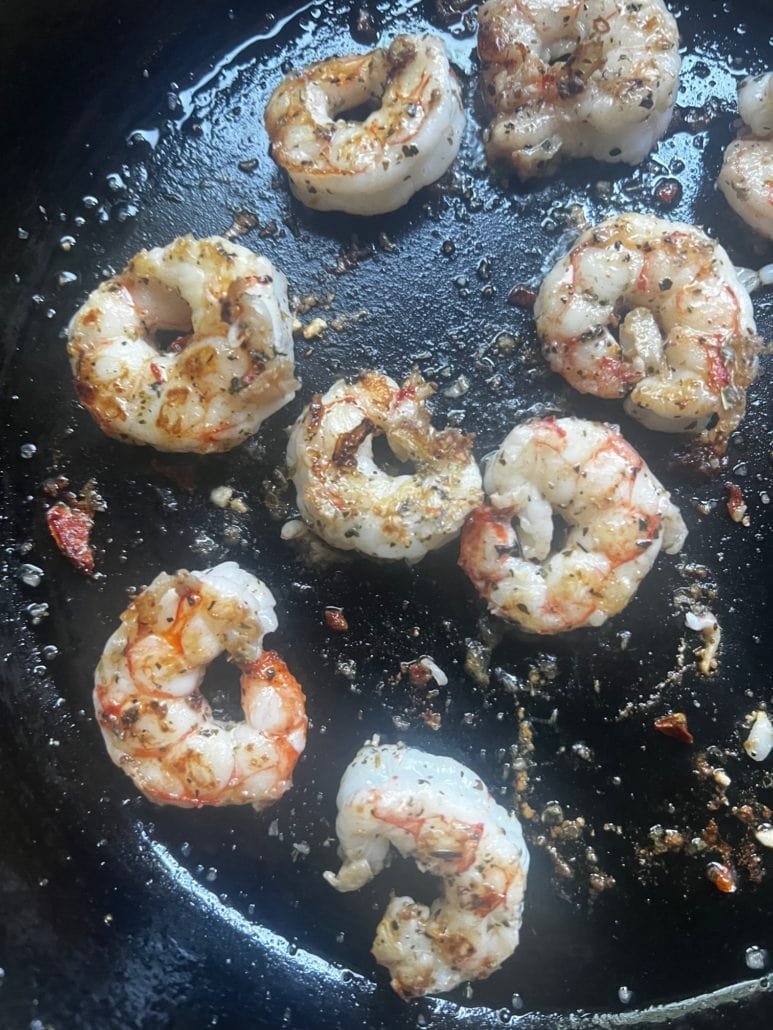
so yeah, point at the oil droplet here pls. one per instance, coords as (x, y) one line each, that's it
(625, 994)
(185, 849)
(124, 210)
(516, 1002)
(65, 278)
(67, 242)
(211, 874)
(28, 450)
(115, 182)
(49, 652)
(37, 612)
(22, 234)
(756, 958)
(31, 575)
(89, 202)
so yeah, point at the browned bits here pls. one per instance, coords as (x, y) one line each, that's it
(722, 876)
(336, 620)
(347, 444)
(522, 296)
(674, 725)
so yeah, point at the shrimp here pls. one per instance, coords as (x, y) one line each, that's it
(229, 367)
(157, 725)
(366, 167)
(746, 178)
(618, 516)
(439, 812)
(576, 78)
(652, 311)
(353, 504)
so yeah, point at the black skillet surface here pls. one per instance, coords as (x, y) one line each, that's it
(128, 129)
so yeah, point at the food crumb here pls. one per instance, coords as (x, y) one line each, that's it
(336, 620)
(315, 328)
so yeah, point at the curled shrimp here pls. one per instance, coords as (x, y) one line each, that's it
(353, 504)
(746, 178)
(408, 140)
(439, 812)
(157, 725)
(652, 311)
(576, 78)
(618, 516)
(229, 366)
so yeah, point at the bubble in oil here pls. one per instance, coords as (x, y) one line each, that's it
(28, 450)
(31, 575)
(756, 958)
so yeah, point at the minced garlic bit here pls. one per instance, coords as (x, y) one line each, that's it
(706, 624)
(316, 327)
(221, 496)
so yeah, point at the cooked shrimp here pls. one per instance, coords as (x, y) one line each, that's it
(439, 812)
(408, 140)
(229, 367)
(746, 178)
(157, 725)
(576, 78)
(352, 503)
(653, 310)
(618, 516)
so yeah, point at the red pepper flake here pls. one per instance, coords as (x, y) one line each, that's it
(336, 620)
(668, 192)
(674, 725)
(522, 296)
(722, 876)
(736, 504)
(418, 674)
(158, 373)
(71, 529)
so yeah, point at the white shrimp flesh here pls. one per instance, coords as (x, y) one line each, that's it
(438, 812)
(653, 311)
(228, 363)
(746, 177)
(157, 725)
(408, 140)
(353, 503)
(617, 517)
(576, 78)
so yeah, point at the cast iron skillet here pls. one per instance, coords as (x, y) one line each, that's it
(125, 129)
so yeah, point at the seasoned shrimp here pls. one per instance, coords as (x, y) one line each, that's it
(157, 725)
(653, 310)
(229, 367)
(409, 139)
(746, 178)
(576, 78)
(618, 516)
(439, 812)
(352, 503)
